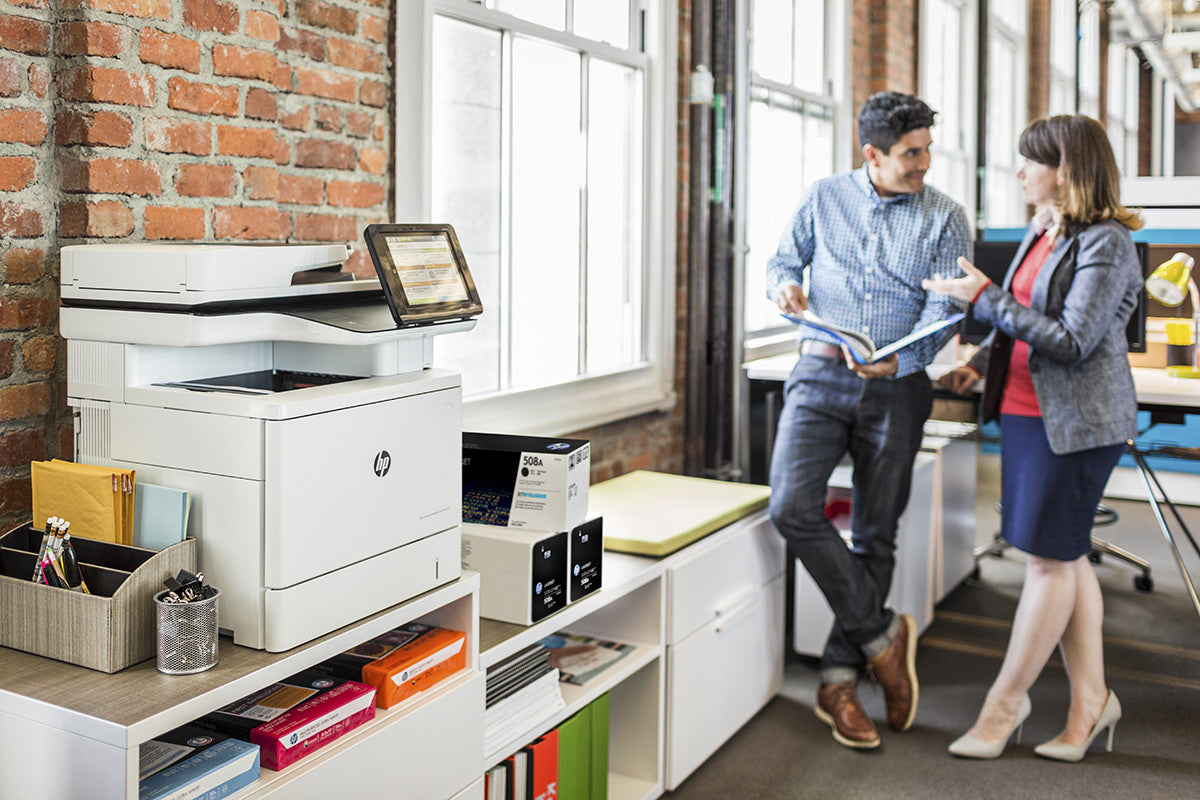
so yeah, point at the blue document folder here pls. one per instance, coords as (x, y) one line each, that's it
(160, 516)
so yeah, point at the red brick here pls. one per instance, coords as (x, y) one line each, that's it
(202, 98)
(261, 104)
(326, 154)
(234, 140)
(283, 77)
(24, 400)
(112, 176)
(373, 93)
(297, 120)
(167, 135)
(358, 123)
(320, 83)
(163, 222)
(92, 39)
(211, 15)
(372, 160)
(15, 501)
(24, 35)
(96, 128)
(16, 173)
(355, 194)
(22, 125)
(106, 85)
(39, 80)
(169, 50)
(326, 228)
(24, 312)
(263, 26)
(145, 9)
(243, 62)
(18, 448)
(379, 130)
(205, 180)
(374, 28)
(24, 266)
(6, 358)
(10, 78)
(260, 183)
(250, 223)
(107, 218)
(39, 353)
(324, 15)
(354, 56)
(19, 221)
(329, 118)
(280, 6)
(305, 43)
(301, 190)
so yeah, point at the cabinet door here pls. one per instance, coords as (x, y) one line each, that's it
(720, 676)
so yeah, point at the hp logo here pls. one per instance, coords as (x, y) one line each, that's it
(383, 462)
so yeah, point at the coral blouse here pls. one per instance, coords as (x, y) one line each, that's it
(1019, 397)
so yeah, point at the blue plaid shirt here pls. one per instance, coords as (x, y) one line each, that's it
(867, 256)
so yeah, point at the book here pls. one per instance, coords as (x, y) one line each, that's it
(581, 658)
(862, 349)
(543, 767)
(214, 772)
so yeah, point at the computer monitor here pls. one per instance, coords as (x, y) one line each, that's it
(993, 259)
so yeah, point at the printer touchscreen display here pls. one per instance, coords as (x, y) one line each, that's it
(423, 273)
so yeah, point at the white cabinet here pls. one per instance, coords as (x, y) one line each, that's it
(913, 581)
(431, 747)
(725, 638)
(953, 509)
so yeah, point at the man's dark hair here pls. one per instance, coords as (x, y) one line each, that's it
(887, 116)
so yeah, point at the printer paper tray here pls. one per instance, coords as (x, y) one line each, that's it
(323, 604)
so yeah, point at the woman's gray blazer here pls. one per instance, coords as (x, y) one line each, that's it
(1075, 328)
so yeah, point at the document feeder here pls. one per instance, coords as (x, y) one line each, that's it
(320, 445)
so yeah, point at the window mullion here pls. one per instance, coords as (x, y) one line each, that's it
(584, 155)
(506, 222)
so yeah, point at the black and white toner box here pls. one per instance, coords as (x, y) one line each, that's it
(522, 574)
(528, 482)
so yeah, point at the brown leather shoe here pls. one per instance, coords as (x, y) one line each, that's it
(896, 670)
(839, 708)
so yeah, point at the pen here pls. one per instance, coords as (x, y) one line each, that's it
(51, 526)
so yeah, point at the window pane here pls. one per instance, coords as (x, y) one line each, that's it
(810, 46)
(551, 13)
(466, 184)
(614, 250)
(603, 21)
(818, 143)
(771, 50)
(546, 168)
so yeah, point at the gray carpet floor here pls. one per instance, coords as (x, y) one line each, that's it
(1152, 660)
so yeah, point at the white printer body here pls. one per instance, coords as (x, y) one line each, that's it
(320, 447)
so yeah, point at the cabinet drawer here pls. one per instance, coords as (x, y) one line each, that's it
(433, 751)
(720, 676)
(716, 576)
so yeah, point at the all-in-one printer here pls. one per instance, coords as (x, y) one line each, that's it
(320, 446)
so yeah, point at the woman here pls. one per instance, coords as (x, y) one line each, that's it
(1058, 379)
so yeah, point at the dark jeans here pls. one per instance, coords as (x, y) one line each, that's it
(828, 412)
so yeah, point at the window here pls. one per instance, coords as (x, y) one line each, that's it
(1122, 107)
(1063, 44)
(792, 134)
(1089, 60)
(1002, 204)
(946, 58)
(543, 131)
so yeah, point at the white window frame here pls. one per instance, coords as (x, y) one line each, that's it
(769, 341)
(1089, 60)
(964, 129)
(1121, 111)
(1016, 39)
(590, 400)
(1064, 53)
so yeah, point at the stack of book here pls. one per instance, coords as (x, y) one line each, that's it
(520, 690)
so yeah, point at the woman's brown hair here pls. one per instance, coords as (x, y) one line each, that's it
(1078, 145)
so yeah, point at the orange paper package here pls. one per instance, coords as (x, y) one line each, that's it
(416, 665)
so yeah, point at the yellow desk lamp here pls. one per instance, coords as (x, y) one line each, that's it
(1169, 284)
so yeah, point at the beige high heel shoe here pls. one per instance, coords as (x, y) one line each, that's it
(967, 746)
(1059, 750)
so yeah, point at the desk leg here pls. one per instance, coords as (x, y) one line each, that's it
(1147, 475)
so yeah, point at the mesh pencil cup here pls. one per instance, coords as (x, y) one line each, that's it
(187, 634)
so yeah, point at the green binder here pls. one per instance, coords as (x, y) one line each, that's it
(599, 709)
(575, 757)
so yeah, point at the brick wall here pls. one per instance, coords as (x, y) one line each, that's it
(171, 120)
(884, 39)
(1038, 75)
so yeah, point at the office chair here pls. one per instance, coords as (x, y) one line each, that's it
(1105, 515)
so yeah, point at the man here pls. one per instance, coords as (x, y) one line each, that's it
(867, 239)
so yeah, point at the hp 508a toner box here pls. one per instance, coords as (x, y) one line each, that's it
(528, 482)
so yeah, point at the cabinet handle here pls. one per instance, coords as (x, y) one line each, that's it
(737, 613)
(735, 603)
